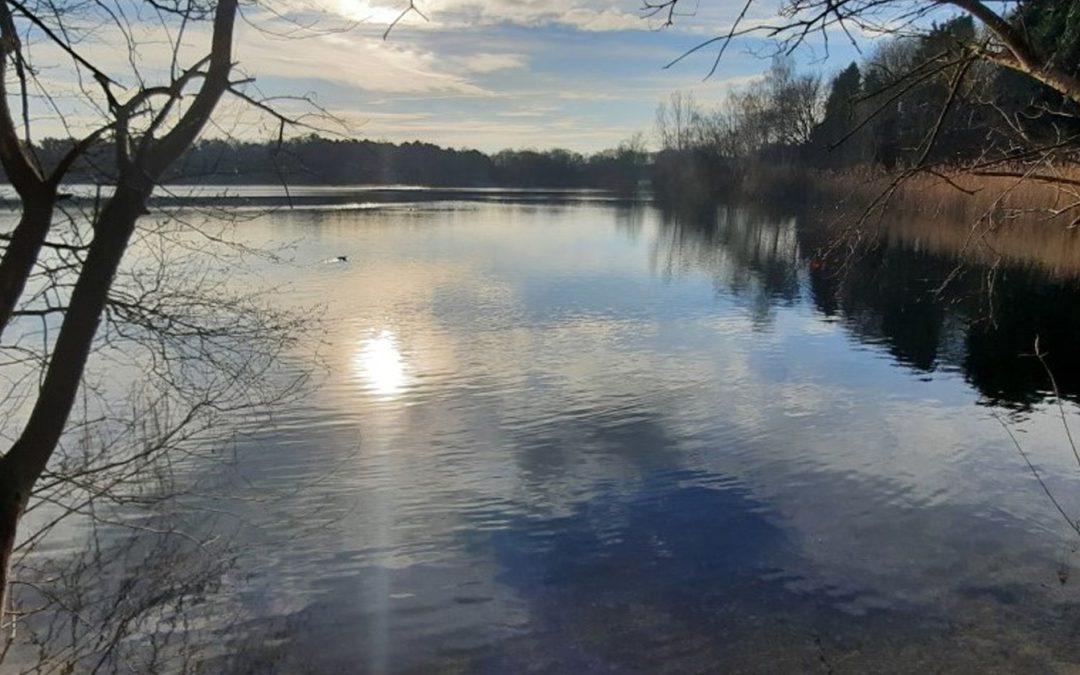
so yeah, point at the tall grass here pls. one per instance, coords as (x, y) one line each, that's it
(986, 218)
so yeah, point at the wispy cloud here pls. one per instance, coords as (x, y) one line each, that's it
(489, 63)
(365, 64)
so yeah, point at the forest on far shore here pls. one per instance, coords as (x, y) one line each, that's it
(315, 160)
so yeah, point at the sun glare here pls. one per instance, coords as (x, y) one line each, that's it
(363, 11)
(380, 364)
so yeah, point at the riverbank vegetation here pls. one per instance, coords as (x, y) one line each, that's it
(960, 113)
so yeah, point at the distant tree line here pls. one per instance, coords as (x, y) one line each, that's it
(317, 160)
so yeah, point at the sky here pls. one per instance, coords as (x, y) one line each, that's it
(491, 74)
(581, 74)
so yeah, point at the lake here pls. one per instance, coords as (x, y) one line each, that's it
(564, 433)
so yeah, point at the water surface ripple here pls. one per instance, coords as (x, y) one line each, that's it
(591, 436)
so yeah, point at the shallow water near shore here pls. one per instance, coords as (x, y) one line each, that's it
(589, 435)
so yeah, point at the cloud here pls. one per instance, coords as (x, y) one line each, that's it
(490, 63)
(487, 131)
(369, 65)
(272, 46)
(588, 15)
(602, 20)
(585, 15)
(527, 113)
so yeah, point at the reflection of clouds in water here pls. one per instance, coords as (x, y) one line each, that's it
(582, 405)
(705, 374)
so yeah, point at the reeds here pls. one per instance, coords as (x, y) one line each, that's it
(986, 218)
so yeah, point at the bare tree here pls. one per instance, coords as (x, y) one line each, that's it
(677, 121)
(203, 348)
(781, 109)
(1001, 41)
(799, 20)
(1035, 141)
(795, 101)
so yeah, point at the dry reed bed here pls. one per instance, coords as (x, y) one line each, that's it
(984, 218)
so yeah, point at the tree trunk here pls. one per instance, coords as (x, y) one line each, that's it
(30, 453)
(28, 456)
(1021, 56)
(22, 252)
(12, 503)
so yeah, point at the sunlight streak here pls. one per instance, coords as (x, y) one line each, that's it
(380, 364)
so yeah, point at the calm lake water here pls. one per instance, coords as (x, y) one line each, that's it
(569, 434)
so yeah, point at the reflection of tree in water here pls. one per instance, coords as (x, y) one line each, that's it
(887, 295)
(890, 295)
(630, 217)
(750, 255)
(998, 359)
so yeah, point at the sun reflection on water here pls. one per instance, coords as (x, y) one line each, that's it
(380, 364)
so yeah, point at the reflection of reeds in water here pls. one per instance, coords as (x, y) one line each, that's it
(1052, 249)
(1005, 220)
